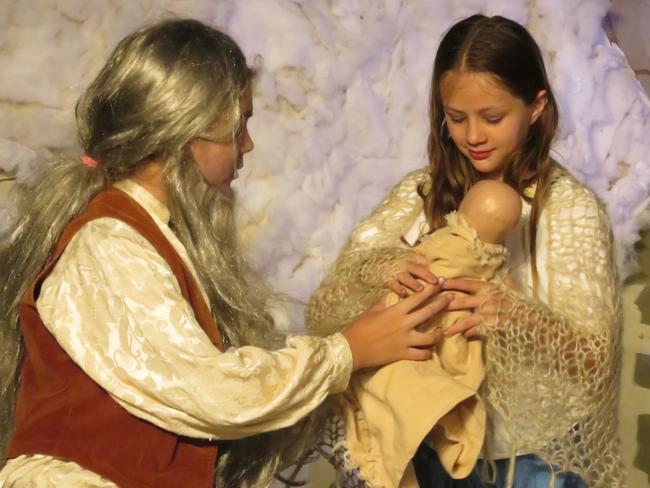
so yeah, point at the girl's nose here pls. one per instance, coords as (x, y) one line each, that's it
(247, 143)
(475, 135)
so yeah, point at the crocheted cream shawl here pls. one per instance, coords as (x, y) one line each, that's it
(552, 368)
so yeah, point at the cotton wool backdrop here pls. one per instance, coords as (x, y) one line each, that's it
(340, 106)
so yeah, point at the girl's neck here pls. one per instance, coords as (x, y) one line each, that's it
(150, 176)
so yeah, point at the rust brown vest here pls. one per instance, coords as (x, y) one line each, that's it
(62, 412)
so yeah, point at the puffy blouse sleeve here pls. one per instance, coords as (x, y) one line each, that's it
(115, 307)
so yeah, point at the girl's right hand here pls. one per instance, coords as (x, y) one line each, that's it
(384, 335)
(408, 275)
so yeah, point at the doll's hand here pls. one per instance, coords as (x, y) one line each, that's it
(408, 275)
(478, 297)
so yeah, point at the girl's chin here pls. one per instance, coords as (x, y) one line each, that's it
(486, 168)
(221, 186)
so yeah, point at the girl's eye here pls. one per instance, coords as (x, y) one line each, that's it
(456, 119)
(493, 120)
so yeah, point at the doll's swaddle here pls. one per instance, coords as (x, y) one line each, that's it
(389, 411)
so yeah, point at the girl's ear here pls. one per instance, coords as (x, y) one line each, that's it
(538, 106)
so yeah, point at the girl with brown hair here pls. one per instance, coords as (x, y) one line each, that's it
(552, 339)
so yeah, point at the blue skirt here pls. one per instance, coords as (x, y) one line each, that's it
(530, 472)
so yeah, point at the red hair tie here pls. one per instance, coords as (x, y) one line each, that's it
(88, 161)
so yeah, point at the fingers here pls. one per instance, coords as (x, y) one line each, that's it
(467, 285)
(416, 354)
(422, 271)
(408, 275)
(473, 333)
(485, 320)
(466, 302)
(396, 287)
(437, 305)
(421, 343)
(409, 281)
(437, 335)
(418, 298)
(465, 325)
(421, 339)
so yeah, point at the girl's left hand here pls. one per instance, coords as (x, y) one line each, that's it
(479, 299)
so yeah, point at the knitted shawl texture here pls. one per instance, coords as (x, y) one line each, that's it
(552, 366)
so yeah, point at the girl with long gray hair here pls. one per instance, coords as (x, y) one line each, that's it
(136, 350)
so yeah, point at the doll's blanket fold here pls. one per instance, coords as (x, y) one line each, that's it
(389, 411)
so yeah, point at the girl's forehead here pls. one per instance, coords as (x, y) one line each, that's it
(472, 88)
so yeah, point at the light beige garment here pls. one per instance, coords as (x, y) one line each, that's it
(115, 307)
(553, 360)
(40, 471)
(390, 411)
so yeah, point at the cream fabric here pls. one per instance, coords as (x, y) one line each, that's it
(499, 444)
(388, 412)
(552, 363)
(115, 307)
(40, 471)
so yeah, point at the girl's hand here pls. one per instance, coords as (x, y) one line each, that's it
(408, 275)
(480, 299)
(384, 335)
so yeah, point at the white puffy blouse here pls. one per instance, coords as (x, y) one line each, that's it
(114, 305)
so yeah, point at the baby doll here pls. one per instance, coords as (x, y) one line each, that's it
(389, 411)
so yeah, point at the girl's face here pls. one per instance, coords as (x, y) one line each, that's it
(219, 161)
(485, 121)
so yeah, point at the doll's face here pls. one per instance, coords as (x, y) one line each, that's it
(485, 121)
(219, 161)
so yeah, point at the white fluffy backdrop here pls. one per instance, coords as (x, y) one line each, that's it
(340, 105)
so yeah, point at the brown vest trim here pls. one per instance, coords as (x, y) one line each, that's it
(114, 203)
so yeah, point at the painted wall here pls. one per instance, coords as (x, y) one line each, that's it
(341, 115)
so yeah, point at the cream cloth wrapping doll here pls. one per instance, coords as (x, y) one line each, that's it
(389, 411)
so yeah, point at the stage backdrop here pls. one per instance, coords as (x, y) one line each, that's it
(340, 106)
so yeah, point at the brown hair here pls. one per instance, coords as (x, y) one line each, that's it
(506, 50)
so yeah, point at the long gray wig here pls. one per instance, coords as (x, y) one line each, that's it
(163, 86)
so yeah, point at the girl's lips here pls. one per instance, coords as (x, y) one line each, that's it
(480, 154)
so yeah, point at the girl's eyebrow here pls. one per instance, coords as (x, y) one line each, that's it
(451, 109)
(481, 111)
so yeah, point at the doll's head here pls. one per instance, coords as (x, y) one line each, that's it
(162, 86)
(492, 208)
